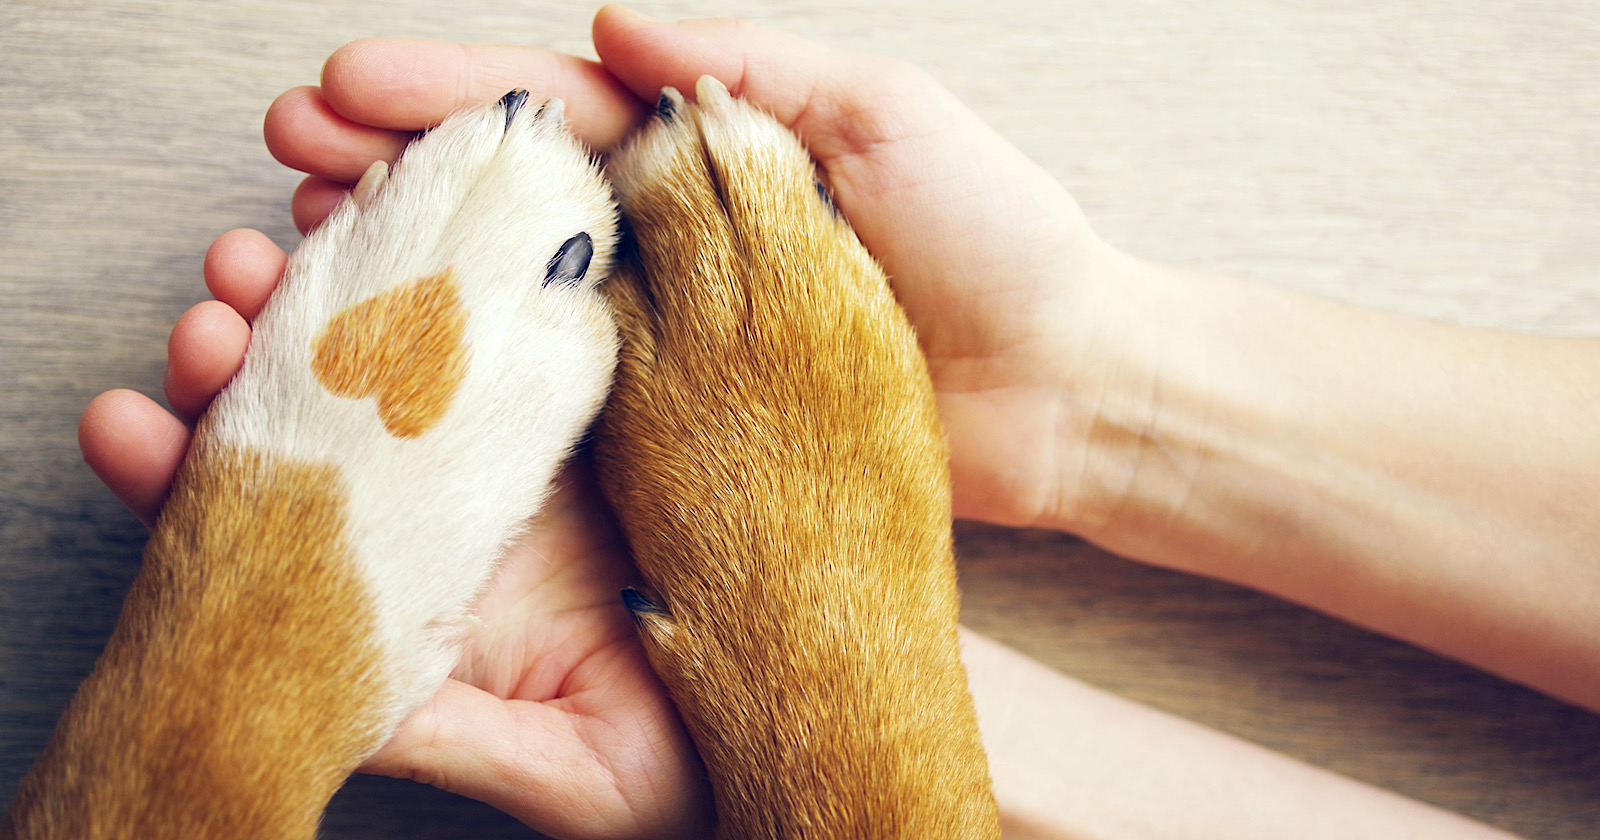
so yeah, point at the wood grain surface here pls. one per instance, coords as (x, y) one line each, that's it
(1430, 158)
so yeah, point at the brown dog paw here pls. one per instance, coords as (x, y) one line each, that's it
(773, 450)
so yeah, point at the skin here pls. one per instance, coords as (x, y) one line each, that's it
(1421, 480)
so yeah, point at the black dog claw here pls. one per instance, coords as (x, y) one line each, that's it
(826, 196)
(668, 104)
(638, 605)
(571, 262)
(513, 102)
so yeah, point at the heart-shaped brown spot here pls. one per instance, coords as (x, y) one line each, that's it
(405, 347)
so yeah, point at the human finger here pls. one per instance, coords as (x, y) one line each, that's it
(410, 85)
(135, 447)
(313, 200)
(204, 351)
(838, 102)
(303, 131)
(242, 267)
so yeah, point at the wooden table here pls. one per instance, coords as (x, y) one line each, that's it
(1429, 158)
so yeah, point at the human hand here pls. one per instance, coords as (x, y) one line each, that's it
(989, 255)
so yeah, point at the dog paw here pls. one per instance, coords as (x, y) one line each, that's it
(770, 394)
(765, 360)
(774, 453)
(439, 344)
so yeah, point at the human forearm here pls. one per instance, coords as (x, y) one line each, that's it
(1430, 482)
(1069, 761)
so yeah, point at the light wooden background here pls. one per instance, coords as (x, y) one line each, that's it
(1434, 158)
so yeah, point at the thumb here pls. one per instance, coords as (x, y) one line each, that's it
(839, 102)
(463, 740)
(552, 766)
(518, 756)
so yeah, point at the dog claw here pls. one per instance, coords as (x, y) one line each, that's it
(708, 90)
(639, 605)
(826, 196)
(513, 102)
(552, 109)
(371, 181)
(668, 103)
(571, 262)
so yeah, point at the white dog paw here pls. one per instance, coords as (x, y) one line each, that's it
(440, 344)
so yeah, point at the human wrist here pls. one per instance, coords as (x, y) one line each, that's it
(1176, 410)
(1131, 400)
(1393, 472)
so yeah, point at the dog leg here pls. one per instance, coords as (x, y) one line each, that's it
(430, 357)
(773, 450)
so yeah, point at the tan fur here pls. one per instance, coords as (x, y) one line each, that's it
(246, 566)
(772, 447)
(403, 348)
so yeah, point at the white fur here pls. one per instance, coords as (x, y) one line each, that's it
(430, 516)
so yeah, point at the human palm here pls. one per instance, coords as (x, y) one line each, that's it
(553, 714)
